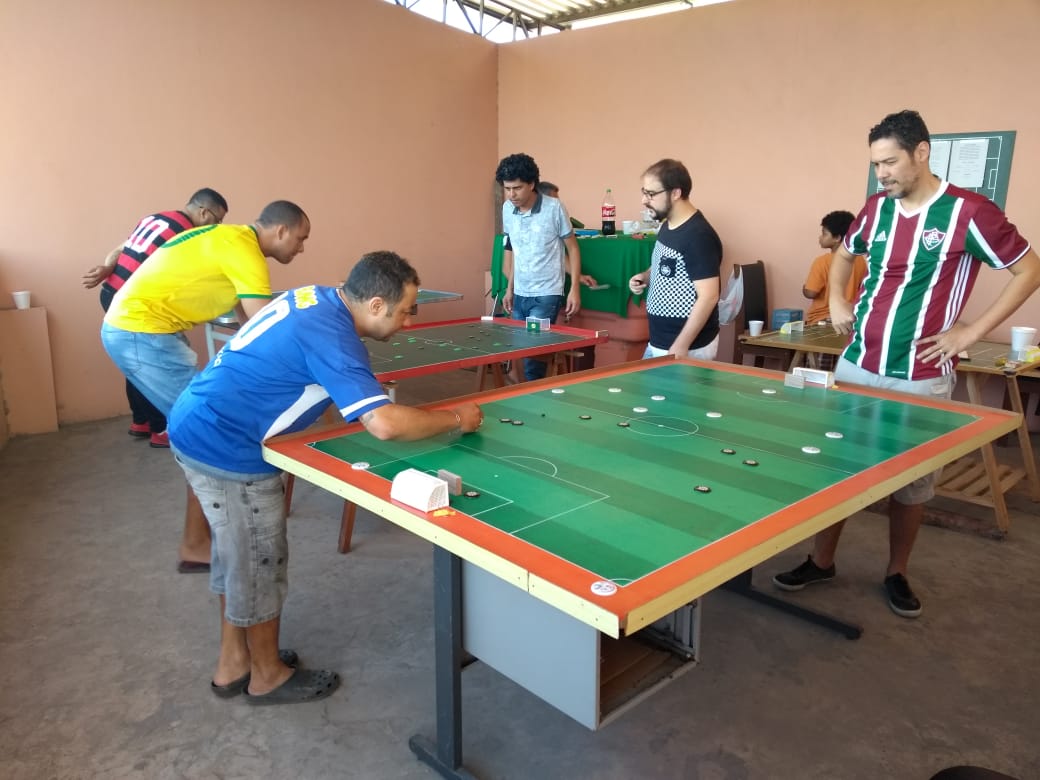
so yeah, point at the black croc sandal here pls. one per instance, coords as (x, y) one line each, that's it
(304, 685)
(235, 687)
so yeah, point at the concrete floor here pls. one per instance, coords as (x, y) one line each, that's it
(107, 652)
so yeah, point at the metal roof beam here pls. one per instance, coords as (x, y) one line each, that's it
(532, 17)
(604, 8)
(526, 20)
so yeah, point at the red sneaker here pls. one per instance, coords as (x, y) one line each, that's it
(140, 430)
(160, 440)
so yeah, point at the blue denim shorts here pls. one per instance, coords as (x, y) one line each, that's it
(921, 489)
(250, 552)
(160, 365)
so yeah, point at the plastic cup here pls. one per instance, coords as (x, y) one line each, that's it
(1022, 338)
(630, 226)
(755, 327)
(21, 299)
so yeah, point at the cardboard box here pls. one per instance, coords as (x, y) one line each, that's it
(781, 316)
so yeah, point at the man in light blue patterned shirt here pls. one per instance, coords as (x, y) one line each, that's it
(539, 248)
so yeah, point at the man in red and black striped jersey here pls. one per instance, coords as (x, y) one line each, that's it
(205, 207)
(925, 241)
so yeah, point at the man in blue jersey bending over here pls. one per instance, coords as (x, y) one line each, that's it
(297, 355)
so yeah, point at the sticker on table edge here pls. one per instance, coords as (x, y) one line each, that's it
(603, 588)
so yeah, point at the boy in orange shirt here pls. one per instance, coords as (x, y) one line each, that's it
(833, 228)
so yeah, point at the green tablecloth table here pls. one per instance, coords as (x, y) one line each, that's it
(610, 260)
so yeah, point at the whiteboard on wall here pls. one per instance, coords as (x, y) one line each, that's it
(980, 162)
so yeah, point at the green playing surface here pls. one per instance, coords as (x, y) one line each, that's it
(621, 501)
(421, 347)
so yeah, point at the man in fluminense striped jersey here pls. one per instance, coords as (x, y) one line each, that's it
(925, 240)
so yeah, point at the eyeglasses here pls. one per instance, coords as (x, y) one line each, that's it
(651, 195)
(217, 219)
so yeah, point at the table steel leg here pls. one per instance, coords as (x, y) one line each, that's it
(742, 584)
(445, 754)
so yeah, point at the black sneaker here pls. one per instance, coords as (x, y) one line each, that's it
(806, 574)
(901, 597)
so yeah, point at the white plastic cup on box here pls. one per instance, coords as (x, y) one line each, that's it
(1022, 338)
(755, 327)
(21, 299)
(629, 226)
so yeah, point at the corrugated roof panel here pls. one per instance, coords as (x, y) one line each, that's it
(530, 16)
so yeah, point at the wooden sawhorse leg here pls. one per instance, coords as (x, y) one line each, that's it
(290, 483)
(346, 523)
(1024, 443)
(498, 377)
(797, 359)
(981, 484)
(996, 489)
(346, 526)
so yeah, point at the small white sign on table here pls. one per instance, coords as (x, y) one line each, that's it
(420, 490)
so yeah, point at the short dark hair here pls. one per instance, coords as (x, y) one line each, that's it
(515, 167)
(381, 274)
(837, 223)
(281, 212)
(548, 188)
(672, 175)
(906, 127)
(208, 199)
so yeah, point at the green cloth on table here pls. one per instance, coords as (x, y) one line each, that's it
(609, 260)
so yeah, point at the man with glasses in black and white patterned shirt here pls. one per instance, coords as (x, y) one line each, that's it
(682, 282)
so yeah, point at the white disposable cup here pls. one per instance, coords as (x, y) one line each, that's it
(629, 226)
(21, 299)
(755, 327)
(1022, 338)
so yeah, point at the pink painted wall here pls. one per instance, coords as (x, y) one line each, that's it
(769, 105)
(381, 124)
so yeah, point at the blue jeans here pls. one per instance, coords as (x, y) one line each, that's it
(545, 307)
(160, 365)
(142, 410)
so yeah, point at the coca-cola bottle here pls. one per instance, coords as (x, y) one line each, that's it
(609, 214)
